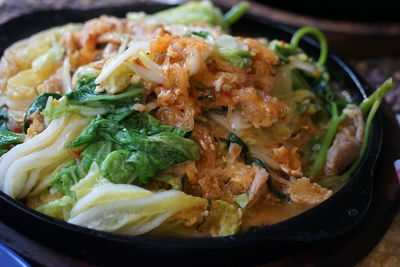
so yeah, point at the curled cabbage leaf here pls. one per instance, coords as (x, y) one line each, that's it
(102, 205)
(223, 219)
(134, 215)
(39, 152)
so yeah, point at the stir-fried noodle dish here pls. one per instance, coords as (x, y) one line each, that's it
(168, 124)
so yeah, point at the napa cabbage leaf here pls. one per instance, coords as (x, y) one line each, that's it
(59, 208)
(186, 14)
(43, 150)
(234, 51)
(223, 219)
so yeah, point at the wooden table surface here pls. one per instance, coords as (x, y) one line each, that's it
(374, 69)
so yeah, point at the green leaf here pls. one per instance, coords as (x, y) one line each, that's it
(174, 181)
(8, 137)
(237, 57)
(59, 209)
(193, 12)
(87, 102)
(119, 168)
(74, 170)
(284, 50)
(66, 177)
(97, 152)
(202, 34)
(236, 12)
(85, 93)
(128, 209)
(242, 200)
(37, 105)
(223, 219)
(3, 118)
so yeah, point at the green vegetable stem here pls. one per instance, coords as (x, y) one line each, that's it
(236, 12)
(368, 106)
(294, 42)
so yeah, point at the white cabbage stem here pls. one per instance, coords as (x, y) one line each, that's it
(133, 50)
(147, 74)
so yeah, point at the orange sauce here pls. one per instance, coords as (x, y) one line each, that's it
(266, 213)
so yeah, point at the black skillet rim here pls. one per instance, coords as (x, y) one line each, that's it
(266, 233)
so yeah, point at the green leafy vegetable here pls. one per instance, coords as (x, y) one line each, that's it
(67, 176)
(59, 209)
(37, 105)
(56, 110)
(337, 119)
(242, 200)
(202, 11)
(8, 137)
(237, 57)
(85, 94)
(143, 156)
(129, 209)
(236, 12)
(202, 34)
(283, 50)
(3, 118)
(234, 51)
(174, 181)
(223, 219)
(299, 81)
(76, 169)
(87, 102)
(120, 166)
(127, 146)
(300, 33)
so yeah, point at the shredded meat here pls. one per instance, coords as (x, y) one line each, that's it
(258, 186)
(347, 143)
(261, 111)
(288, 160)
(36, 127)
(52, 85)
(302, 191)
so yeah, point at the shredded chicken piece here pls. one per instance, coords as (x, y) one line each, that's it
(36, 127)
(261, 111)
(202, 136)
(258, 186)
(347, 143)
(288, 160)
(262, 67)
(110, 50)
(89, 34)
(302, 191)
(234, 151)
(176, 107)
(240, 177)
(52, 85)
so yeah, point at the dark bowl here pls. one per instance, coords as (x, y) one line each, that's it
(333, 217)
